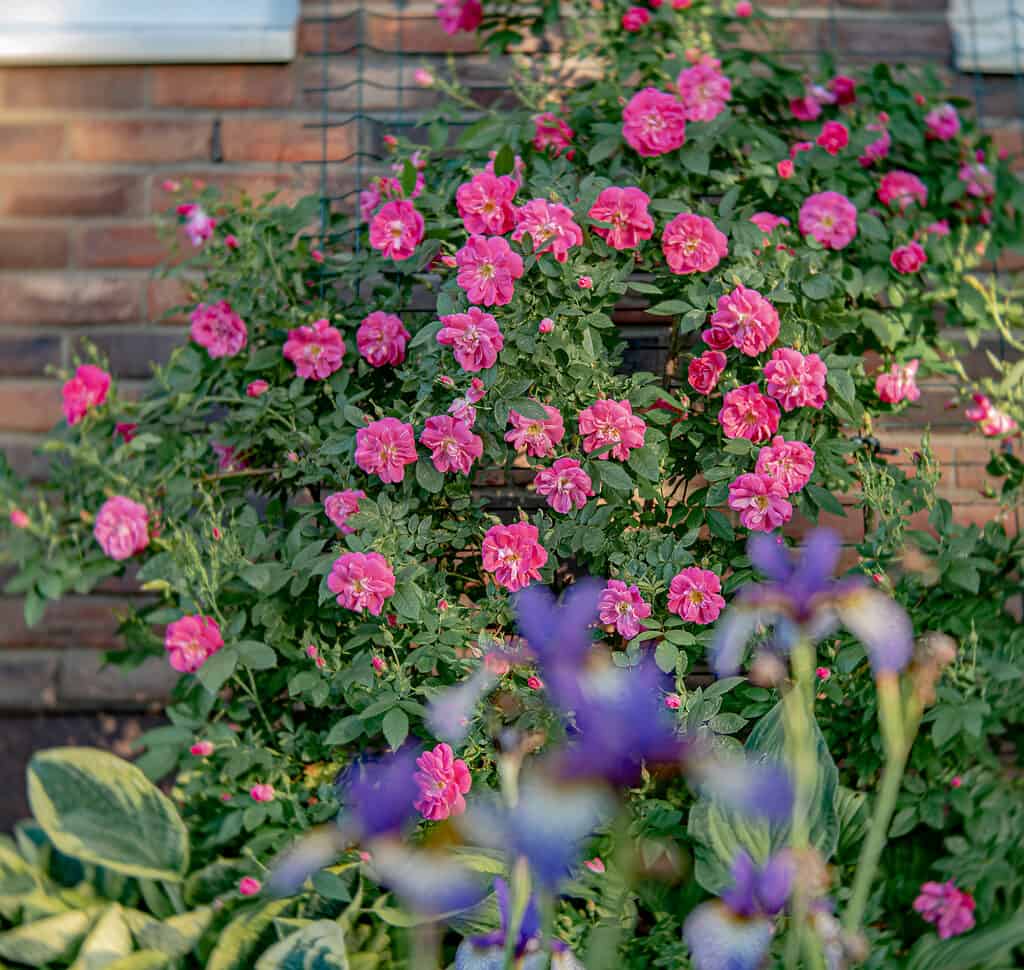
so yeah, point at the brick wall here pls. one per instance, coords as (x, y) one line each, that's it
(83, 151)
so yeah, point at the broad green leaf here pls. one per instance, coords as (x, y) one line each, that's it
(319, 946)
(644, 461)
(973, 950)
(528, 408)
(142, 960)
(174, 936)
(98, 808)
(614, 475)
(217, 669)
(396, 727)
(256, 655)
(825, 500)
(347, 729)
(246, 936)
(669, 308)
(666, 656)
(46, 940)
(818, 287)
(107, 941)
(428, 477)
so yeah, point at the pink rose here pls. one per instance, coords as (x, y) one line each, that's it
(315, 350)
(487, 203)
(456, 15)
(785, 168)
(256, 388)
(704, 89)
(442, 780)
(474, 336)
(834, 137)
(761, 501)
(744, 8)
(768, 222)
(830, 218)
(747, 413)
(397, 229)
(338, 506)
(990, 420)
(693, 244)
(653, 123)
(949, 908)
(248, 886)
(898, 383)
(125, 430)
(19, 519)
(750, 319)
(361, 581)
(942, 123)
(546, 326)
(218, 329)
(902, 188)
(624, 607)
(86, 390)
(635, 18)
(564, 485)
(626, 211)
(909, 258)
(384, 448)
(878, 149)
(584, 282)
(550, 226)
(488, 269)
(381, 339)
(844, 89)
(262, 793)
(704, 371)
(695, 595)
(122, 527)
(536, 438)
(791, 463)
(453, 446)
(513, 554)
(551, 132)
(201, 749)
(608, 422)
(198, 225)
(796, 380)
(190, 641)
(981, 183)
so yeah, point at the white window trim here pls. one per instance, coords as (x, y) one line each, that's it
(988, 35)
(147, 31)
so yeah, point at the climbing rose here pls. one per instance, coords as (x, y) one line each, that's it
(942, 123)
(878, 149)
(513, 554)
(705, 370)
(190, 641)
(834, 137)
(381, 339)
(585, 282)
(980, 181)
(624, 606)
(747, 413)
(844, 89)
(456, 15)
(256, 388)
(768, 222)
(201, 749)
(653, 123)
(262, 793)
(487, 203)
(909, 258)
(316, 350)
(795, 380)
(198, 224)
(546, 325)
(550, 226)
(384, 448)
(453, 446)
(488, 268)
(791, 463)
(695, 595)
(829, 217)
(474, 336)
(750, 320)
(744, 9)
(19, 519)
(761, 502)
(949, 908)
(898, 383)
(537, 438)
(939, 228)
(565, 484)
(704, 89)
(338, 506)
(785, 168)
(218, 329)
(361, 581)
(248, 886)
(634, 18)
(442, 780)
(397, 229)
(87, 389)
(122, 527)
(550, 131)
(693, 244)
(902, 188)
(611, 422)
(626, 210)
(990, 420)
(126, 429)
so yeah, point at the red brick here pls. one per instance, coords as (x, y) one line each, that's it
(231, 184)
(31, 142)
(28, 356)
(223, 86)
(85, 621)
(67, 194)
(120, 247)
(162, 296)
(139, 140)
(71, 88)
(282, 140)
(131, 353)
(33, 247)
(68, 300)
(29, 405)
(22, 451)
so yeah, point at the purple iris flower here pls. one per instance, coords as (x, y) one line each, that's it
(431, 884)
(802, 599)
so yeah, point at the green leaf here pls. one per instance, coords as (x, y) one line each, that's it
(646, 463)
(871, 227)
(347, 729)
(246, 936)
(720, 526)
(408, 178)
(720, 832)
(666, 656)
(974, 950)
(669, 308)
(825, 500)
(318, 946)
(257, 575)
(504, 161)
(965, 575)
(604, 148)
(428, 477)
(176, 935)
(98, 808)
(696, 160)
(107, 941)
(45, 941)
(142, 960)
(528, 408)
(217, 669)
(256, 655)
(614, 475)
(841, 382)
(406, 601)
(396, 727)
(818, 287)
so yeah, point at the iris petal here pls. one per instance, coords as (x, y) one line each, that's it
(720, 940)
(449, 714)
(770, 556)
(881, 624)
(429, 883)
(732, 633)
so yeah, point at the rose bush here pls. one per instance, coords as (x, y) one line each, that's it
(369, 444)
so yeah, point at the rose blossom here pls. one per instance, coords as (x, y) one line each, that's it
(768, 222)
(456, 15)
(611, 422)
(878, 149)
(487, 203)
(338, 506)
(990, 420)
(980, 181)
(942, 123)
(86, 390)
(634, 18)
(903, 188)
(248, 886)
(126, 430)
(550, 226)
(442, 780)
(190, 641)
(565, 484)
(537, 438)
(513, 554)
(122, 527)
(761, 502)
(834, 137)
(704, 371)
(384, 448)
(744, 9)
(423, 78)
(623, 606)
(551, 132)
(844, 88)
(653, 123)
(315, 350)
(939, 228)
(262, 793)
(546, 325)
(19, 519)
(218, 329)
(534, 683)
(361, 581)
(898, 383)
(397, 229)
(785, 168)
(256, 388)
(198, 224)
(747, 413)
(693, 244)
(488, 267)
(381, 339)
(626, 210)
(909, 258)
(791, 463)
(751, 321)
(829, 217)
(695, 595)
(585, 283)
(704, 89)
(949, 908)
(453, 446)
(795, 380)
(201, 749)
(474, 336)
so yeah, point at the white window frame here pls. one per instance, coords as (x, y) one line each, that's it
(988, 35)
(147, 31)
